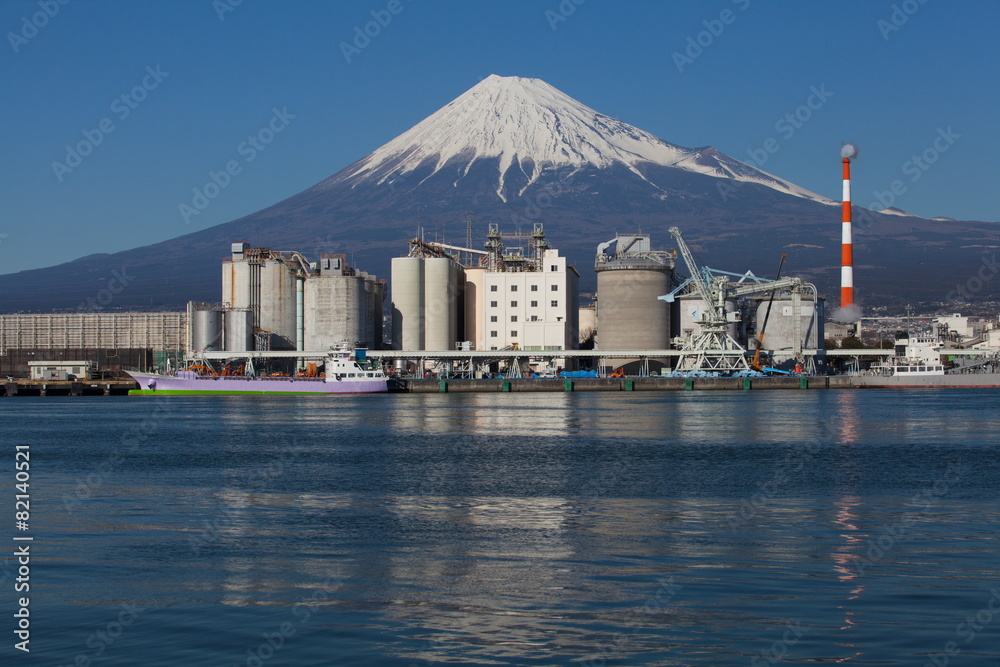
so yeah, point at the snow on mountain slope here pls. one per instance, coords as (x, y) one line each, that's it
(529, 123)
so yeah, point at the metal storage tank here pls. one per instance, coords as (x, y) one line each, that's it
(782, 335)
(690, 307)
(206, 328)
(440, 303)
(239, 330)
(408, 303)
(277, 303)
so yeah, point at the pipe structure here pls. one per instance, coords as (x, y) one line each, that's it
(299, 315)
(846, 244)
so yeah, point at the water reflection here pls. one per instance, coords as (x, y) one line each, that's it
(520, 529)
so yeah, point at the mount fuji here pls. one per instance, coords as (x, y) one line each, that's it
(516, 151)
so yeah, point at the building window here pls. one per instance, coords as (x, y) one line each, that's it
(493, 334)
(555, 268)
(513, 304)
(493, 318)
(554, 304)
(534, 288)
(555, 288)
(493, 288)
(513, 288)
(513, 318)
(534, 304)
(513, 334)
(534, 318)
(493, 304)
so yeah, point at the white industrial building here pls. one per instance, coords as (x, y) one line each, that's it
(505, 298)
(535, 310)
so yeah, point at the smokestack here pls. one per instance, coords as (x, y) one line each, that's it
(847, 152)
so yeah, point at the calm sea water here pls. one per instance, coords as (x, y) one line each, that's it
(730, 528)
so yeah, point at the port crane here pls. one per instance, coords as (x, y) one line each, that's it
(755, 364)
(713, 349)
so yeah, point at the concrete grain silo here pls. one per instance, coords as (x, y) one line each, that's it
(265, 283)
(341, 304)
(630, 277)
(408, 303)
(440, 303)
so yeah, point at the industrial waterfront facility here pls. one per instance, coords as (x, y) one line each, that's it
(510, 307)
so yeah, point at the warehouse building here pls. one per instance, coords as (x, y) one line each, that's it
(110, 342)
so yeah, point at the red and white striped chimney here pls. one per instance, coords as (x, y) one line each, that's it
(846, 243)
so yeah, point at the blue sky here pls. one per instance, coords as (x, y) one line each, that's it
(896, 77)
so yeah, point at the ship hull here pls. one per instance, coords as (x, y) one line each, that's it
(152, 384)
(954, 381)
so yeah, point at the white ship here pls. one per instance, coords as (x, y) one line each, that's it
(917, 363)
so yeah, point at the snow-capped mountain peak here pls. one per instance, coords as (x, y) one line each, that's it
(528, 123)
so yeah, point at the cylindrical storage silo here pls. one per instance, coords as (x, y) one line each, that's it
(783, 335)
(206, 329)
(440, 307)
(629, 315)
(239, 330)
(408, 303)
(691, 308)
(278, 303)
(474, 305)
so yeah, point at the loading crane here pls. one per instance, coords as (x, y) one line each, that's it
(755, 364)
(713, 349)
